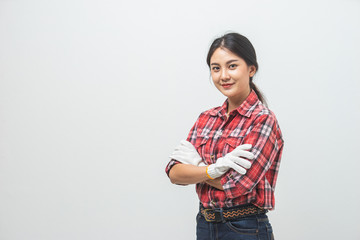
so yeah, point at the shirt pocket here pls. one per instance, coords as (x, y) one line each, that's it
(232, 142)
(201, 146)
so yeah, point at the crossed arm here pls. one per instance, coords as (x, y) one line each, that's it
(192, 169)
(184, 174)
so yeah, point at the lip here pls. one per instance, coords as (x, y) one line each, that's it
(228, 85)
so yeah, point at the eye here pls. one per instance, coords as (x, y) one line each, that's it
(215, 69)
(232, 66)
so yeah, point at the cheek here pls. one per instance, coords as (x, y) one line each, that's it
(214, 78)
(242, 79)
(237, 74)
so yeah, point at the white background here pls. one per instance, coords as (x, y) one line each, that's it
(94, 96)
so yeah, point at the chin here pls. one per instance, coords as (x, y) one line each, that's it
(229, 94)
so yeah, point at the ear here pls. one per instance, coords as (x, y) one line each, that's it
(252, 70)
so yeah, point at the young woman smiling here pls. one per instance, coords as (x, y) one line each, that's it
(233, 151)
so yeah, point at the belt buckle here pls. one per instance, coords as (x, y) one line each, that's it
(217, 215)
(205, 215)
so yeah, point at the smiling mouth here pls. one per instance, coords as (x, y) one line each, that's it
(227, 85)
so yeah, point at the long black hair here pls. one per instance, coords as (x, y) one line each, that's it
(242, 47)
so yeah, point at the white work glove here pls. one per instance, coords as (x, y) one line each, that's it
(187, 154)
(234, 160)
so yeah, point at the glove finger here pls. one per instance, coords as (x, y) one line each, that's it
(232, 158)
(177, 147)
(184, 155)
(237, 168)
(187, 146)
(184, 160)
(178, 150)
(244, 147)
(179, 159)
(183, 146)
(183, 149)
(179, 156)
(188, 157)
(243, 153)
(175, 155)
(243, 163)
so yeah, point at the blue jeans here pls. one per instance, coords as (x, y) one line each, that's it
(249, 228)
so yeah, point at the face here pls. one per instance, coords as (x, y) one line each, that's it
(231, 75)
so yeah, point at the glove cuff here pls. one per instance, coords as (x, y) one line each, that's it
(211, 172)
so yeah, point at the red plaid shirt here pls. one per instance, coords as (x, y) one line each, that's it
(213, 135)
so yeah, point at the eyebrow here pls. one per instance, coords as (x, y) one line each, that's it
(230, 61)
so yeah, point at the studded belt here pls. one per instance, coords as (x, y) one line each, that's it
(227, 214)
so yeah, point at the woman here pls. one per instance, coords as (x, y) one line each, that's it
(233, 152)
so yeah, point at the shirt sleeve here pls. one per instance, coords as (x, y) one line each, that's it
(191, 138)
(266, 139)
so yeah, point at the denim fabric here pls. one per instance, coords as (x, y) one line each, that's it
(255, 227)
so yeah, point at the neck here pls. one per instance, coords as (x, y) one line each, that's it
(234, 103)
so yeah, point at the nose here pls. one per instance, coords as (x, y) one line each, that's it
(225, 75)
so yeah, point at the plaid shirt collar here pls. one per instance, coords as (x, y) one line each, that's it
(245, 109)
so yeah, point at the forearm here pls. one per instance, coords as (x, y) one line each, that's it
(216, 183)
(187, 174)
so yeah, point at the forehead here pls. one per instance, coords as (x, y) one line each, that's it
(221, 55)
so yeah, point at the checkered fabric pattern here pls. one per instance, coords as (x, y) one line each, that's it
(214, 135)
